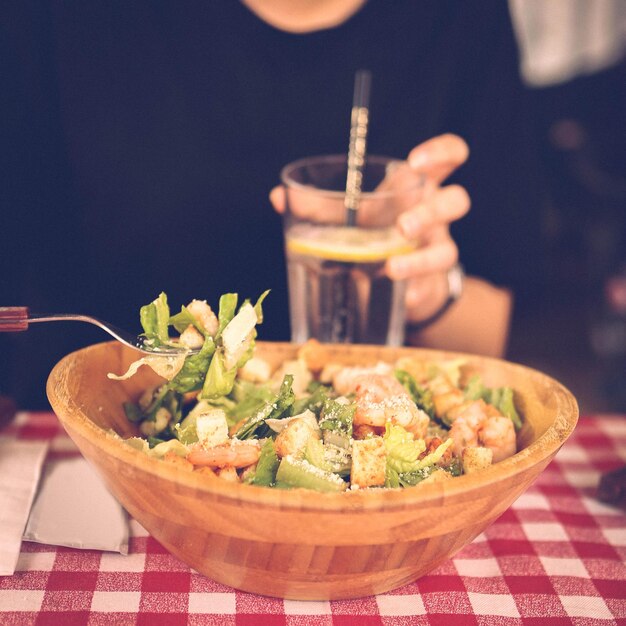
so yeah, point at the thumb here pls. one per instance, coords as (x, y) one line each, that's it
(277, 198)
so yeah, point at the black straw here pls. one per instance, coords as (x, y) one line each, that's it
(358, 143)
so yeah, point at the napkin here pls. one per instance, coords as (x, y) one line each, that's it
(73, 508)
(20, 468)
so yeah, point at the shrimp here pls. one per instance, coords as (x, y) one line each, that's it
(346, 379)
(380, 398)
(235, 453)
(378, 386)
(364, 431)
(468, 418)
(474, 410)
(445, 396)
(446, 402)
(477, 423)
(498, 434)
(464, 434)
(204, 316)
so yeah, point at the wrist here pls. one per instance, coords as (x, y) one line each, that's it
(455, 280)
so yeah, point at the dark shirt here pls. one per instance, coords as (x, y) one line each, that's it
(141, 140)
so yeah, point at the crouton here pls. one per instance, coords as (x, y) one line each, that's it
(191, 337)
(212, 427)
(476, 458)
(293, 438)
(369, 461)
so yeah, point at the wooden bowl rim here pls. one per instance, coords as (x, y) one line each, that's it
(73, 418)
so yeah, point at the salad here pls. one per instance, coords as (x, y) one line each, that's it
(311, 423)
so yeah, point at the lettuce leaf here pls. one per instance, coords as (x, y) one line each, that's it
(160, 449)
(435, 456)
(404, 467)
(475, 389)
(451, 369)
(328, 457)
(154, 318)
(165, 366)
(182, 320)
(193, 373)
(235, 341)
(228, 305)
(500, 397)
(337, 415)
(166, 447)
(278, 407)
(265, 472)
(258, 306)
(248, 398)
(402, 448)
(219, 380)
(506, 405)
(314, 401)
(214, 368)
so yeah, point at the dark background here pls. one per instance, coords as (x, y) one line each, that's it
(577, 332)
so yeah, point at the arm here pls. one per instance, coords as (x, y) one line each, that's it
(478, 322)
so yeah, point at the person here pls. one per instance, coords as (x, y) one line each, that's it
(142, 140)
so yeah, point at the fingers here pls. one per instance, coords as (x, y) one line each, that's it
(442, 207)
(437, 255)
(307, 205)
(400, 176)
(426, 272)
(277, 198)
(439, 157)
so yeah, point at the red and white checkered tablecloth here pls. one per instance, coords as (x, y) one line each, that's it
(556, 557)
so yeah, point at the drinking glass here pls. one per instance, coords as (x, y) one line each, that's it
(338, 289)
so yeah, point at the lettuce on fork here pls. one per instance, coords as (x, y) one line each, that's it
(213, 369)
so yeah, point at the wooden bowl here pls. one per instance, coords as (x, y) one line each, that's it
(301, 544)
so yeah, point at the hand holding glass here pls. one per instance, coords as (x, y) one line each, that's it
(338, 289)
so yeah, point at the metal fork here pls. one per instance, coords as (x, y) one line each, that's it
(18, 318)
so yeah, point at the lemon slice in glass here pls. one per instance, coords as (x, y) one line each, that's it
(343, 243)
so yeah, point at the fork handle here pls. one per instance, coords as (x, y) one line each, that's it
(13, 318)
